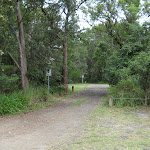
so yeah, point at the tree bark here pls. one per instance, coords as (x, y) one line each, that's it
(21, 41)
(65, 65)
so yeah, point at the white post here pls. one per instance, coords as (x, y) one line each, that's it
(111, 101)
(82, 78)
(48, 74)
(48, 84)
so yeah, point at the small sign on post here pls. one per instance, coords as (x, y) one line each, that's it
(48, 74)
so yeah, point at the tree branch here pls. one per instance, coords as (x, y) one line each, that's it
(43, 11)
(80, 5)
(14, 60)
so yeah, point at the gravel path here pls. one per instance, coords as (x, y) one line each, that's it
(47, 127)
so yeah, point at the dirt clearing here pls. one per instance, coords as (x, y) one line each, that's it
(47, 127)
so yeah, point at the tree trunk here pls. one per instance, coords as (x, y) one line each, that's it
(65, 66)
(21, 42)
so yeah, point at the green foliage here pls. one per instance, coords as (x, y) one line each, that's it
(113, 64)
(115, 50)
(131, 9)
(8, 69)
(127, 89)
(76, 76)
(78, 87)
(33, 98)
(36, 95)
(99, 57)
(140, 66)
(13, 103)
(9, 82)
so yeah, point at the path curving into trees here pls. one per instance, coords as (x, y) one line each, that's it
(50, 126)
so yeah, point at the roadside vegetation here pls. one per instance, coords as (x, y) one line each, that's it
(35, 98)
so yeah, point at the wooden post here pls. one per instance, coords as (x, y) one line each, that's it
(145, 100)
(72, 88)
(111, 101)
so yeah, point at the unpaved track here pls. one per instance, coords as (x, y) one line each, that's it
(47, 127)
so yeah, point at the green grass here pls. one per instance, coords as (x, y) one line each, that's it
(114, 128)
(80, 101)
(78, 87)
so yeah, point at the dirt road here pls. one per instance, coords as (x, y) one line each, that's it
(47, 127)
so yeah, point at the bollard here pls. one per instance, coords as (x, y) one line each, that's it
(72, 88)
(111, 101)
(145, 100)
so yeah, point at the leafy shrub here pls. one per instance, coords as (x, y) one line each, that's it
(9, 82)
(57, 89)
(37, 95)
(13, 103)
(8, 69)
(126, 89)
(140, 66)
(76, 76)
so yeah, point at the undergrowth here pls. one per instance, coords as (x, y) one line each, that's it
(34, 98)
(125, 92)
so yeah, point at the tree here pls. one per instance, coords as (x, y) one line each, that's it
(140, 67)
(97, 44)
(131, 9)
(8, 36)
(68, 9)
(21, 42)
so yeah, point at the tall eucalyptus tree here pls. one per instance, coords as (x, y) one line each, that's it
(21, 42)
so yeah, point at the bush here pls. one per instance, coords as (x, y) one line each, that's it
(9, 82)
(126, 89)
(76, 76)
(10, 104)
(37, 95)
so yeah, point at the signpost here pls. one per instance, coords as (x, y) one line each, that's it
(48, 74)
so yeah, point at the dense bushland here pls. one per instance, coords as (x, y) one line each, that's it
(115, 50)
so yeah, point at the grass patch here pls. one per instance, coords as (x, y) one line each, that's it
(114, 128)
(78, 87)
(80, 101)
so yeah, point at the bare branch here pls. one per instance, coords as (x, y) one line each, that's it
(45, 13)
(14, 60)
(80, 5)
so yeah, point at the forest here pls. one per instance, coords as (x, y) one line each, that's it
(38, 35)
